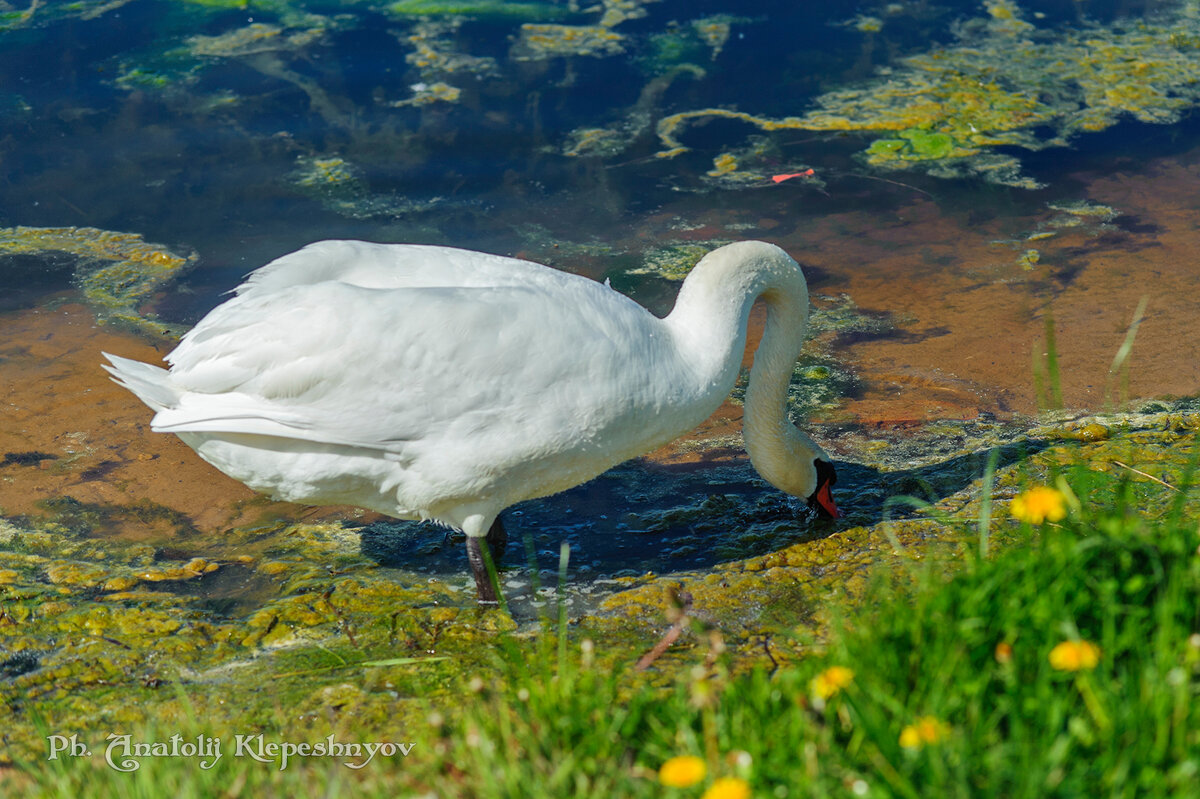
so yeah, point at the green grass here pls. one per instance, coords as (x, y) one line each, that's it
(922, 646)
(964, 644)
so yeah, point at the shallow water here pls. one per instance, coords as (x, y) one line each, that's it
(224, 135)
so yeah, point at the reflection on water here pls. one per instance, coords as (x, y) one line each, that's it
(957, 174)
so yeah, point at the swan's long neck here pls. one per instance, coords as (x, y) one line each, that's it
(709, 324)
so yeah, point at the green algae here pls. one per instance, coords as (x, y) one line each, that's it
(637, 121)
(541, 41)
(482, 9)
(116, 272)
(341, 186)
(89, 650)
(700, 40)
(1077, 216)
(254, 39)
(38, 14)
(911, 145)
(946, 111)
(674, 260)
(435, 53)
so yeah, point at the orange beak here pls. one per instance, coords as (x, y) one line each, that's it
(823, 502)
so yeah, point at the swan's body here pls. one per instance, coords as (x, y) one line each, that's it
(435, 383)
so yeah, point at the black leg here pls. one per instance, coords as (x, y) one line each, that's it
(496, 540)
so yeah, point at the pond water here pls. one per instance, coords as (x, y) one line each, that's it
(957, 180)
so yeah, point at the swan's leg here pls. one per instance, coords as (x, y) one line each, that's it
(495, 540)
(483, 584)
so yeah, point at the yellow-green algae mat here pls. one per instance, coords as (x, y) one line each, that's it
(115, 272)
(100, 635)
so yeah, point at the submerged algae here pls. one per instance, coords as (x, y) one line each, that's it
(89, 624)
(483, 9)
(434, 52)
(1005, 83)
(116, 272)
(674, 260)
(39, 14)
(542, 41)
(1079, 217)
(341, 187)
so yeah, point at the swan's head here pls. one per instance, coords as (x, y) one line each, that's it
(821, 500)
(807, 472)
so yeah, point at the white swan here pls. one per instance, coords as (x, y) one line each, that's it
(436, 383)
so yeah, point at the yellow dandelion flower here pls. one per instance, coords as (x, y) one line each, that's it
(830, 681)
(1004, 652)
(727, 788)
(1039, 504)
(1075, 656)
(926, 730)
(682, 772)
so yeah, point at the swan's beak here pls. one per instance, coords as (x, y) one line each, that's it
(822, 499)
(822, 502)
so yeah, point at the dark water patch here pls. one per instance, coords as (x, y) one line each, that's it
(26, 280)
(99, 471)
(633, 519)
(230, 592)
(893, 334)
(19, 663)
(1136, 225)
(142, 518)
(1128, 146)
(26, 458)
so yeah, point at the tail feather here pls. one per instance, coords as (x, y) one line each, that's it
(151, 384)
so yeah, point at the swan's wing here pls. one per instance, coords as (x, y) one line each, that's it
(371, 265)
(375, 368)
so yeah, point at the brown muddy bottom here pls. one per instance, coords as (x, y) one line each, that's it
(945, 380)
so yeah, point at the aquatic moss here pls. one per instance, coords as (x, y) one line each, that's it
(1006, 83)
(668, 49)
(40, 14)
(599, 142)
(282, 29)
(430, 93)
(714, 32)
(482, 9)
(618, 136)
(914, 145)
(674, 260)
(699, 40)
(258, 37)
(538, 42)
(1078, 216)
(1079, 212)
(435, 53)
(618, 11)
(341, 187)
(100, 619)
(116, 272)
